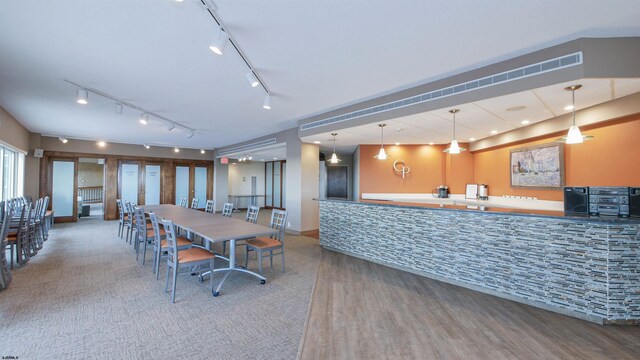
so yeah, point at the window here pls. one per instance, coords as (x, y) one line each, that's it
(11, 173)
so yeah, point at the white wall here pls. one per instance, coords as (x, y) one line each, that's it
(240, 181)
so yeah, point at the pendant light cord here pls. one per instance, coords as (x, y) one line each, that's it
(382, 137)
(573, 100)
(454, 126)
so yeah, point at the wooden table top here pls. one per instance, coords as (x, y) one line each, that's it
(213, 227)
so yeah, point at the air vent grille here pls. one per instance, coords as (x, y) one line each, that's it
(500, 78)
(247, 147)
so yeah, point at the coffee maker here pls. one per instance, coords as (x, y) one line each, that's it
(441, 191)
(483, 192)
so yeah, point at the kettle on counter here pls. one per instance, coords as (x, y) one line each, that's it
(441, 191)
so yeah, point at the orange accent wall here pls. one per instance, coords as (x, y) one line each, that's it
(611, 159)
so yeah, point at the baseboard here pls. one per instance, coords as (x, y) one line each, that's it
(315, 233)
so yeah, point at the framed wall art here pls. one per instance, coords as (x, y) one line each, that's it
(538, 167)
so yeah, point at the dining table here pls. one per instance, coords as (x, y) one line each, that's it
(214, 228)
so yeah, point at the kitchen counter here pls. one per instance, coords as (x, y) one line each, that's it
(586, 267)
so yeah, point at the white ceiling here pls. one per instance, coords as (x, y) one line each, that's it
(477, 119)
(264, 153)
(314, 55)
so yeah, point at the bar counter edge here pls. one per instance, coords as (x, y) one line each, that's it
(584, 267)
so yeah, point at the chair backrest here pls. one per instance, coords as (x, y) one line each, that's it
(183, 202)
(156, 228)
(141, 225)
(120, 211)
(279, 222)
(211, 206)
(22, 210)
(172, 247)
(194, 203)
(4, 230)
(227, 209)
(252, 214)
(43, 209)
(128, 208)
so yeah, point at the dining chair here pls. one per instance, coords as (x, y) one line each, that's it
(183, 202)
(121, 218)
(194, 203)
(5, 272)
(160, 245)
(227, 209)
(195, 259)
(18, 236)
(210, 207)
(144, 235)
(269, 244)
(129, 221)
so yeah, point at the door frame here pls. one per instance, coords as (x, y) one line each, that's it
(192, 180)
(281, 163)
(74, 160)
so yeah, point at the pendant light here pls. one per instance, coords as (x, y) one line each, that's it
(334, 158)
(382, 155)
(574, 136)
(266, 104)
(454, 148)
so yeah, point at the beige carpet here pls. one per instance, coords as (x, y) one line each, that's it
(84, 297)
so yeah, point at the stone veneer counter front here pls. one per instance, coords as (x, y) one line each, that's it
(579, 266)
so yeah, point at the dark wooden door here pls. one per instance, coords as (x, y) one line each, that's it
(337, 182)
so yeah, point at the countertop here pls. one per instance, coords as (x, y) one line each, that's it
(492, 210)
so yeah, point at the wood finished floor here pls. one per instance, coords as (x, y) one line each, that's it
(362, 310)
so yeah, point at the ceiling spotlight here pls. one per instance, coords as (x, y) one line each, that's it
(146, 146)
(175, 149)
(253, 80)
(472, 139)
(275, 158)
(397, 144)
(524, 122)
(191, 134)
(63, 139)
(102, 143)
(218, 44)
(171, 126)
(317, 142)
(431, 143)
(202, 151)
(493, 132)
(144, 118)
(82, 97)
(118, 108)
(267, 102)
(569, 107)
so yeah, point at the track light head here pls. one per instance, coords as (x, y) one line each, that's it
(63, 139)
(82, 97)
(101, 143)
(267, 102)
(252, 78)
(202, 151)
(171, 126)
(191, 134)
(118, 108)
(176, 150)
(146, 146)
(144, 118)
(219, 43)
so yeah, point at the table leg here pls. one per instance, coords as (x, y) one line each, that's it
(232, 267)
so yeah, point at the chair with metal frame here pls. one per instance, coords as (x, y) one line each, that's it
(144, 235)
(5, 272)
(195, 259)
(121, 218)
(183, 202)
(129, 221)
(18, 236)
(271, 243)
(160, 245)
(227, 209)
(210, 207)
(194, 203)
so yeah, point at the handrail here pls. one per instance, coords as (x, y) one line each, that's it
(90, 194)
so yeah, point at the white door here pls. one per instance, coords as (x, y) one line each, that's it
(182, 184)
(63, 178)
(129, 191)
(152, 185)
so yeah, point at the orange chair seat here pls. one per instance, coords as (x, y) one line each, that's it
(151, 234)
(14, 234)
(180, 241)
(194, 254)
(12, 237)
(48, 213)
(263, 243)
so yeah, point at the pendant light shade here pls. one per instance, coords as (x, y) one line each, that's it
(382, 155)
(219, 43)
(574, 135)
(454, 148)
(82, 97)
(334, 158)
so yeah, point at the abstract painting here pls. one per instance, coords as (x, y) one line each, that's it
(539, 167)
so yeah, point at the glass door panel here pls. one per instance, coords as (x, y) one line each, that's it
(200, 184)
(276, 185)
(152, 185)
(63, 179)
(269, 184)
(182, 184)
(129, 183)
